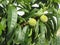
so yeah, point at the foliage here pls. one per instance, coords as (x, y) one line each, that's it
(18, 30)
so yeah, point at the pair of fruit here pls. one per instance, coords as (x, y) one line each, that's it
(33, 21)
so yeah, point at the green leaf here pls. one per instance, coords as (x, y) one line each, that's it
(50, 23)
(48, 32)
(4, 2)
(3, 22)
(42, 28)
(30, 33)
(12, 17)
(40, 12)
(57, 1)
(28, 1)
(25, 4)
(20, 34)
(58, 22)
(1, 27)
(11, 21)
(58, 17)
(25, 10)
(54, 24)
(33, 1)
(37, 29)
(0, 32)
(58, 13)
(10, 1)
(31, 14)
(25, 29)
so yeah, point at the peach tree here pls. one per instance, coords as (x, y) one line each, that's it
(37, 26)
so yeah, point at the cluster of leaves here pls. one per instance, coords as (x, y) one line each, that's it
(15, 29)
